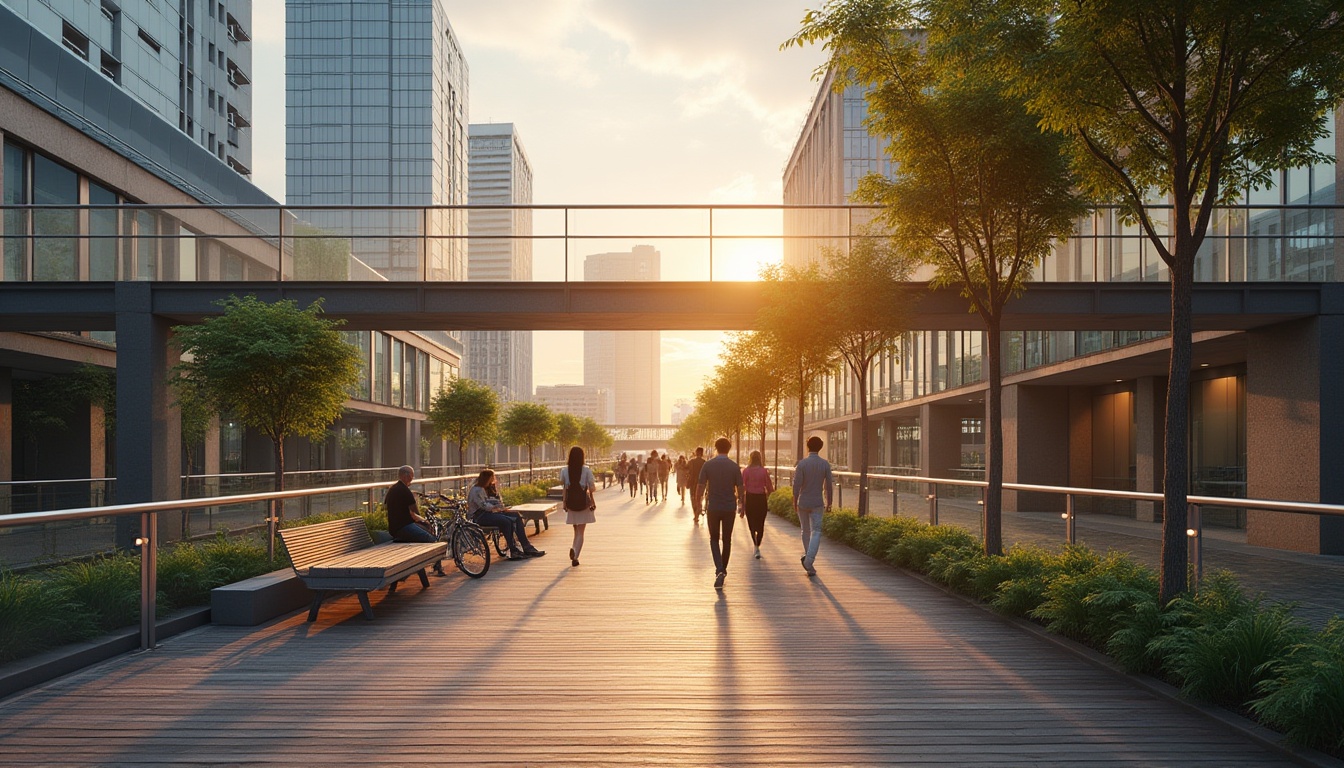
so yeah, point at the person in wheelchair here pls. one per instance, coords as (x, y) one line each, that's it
(487, 509)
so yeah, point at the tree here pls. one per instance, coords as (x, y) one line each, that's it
(595, 438)
(754, 377)
(278, 369)
(693, 432)
(528, 424)
(567, 429)
(788, 323)
(979, 191)
(196, 417)
(866, 313)
(1187, 102)
(464, 411)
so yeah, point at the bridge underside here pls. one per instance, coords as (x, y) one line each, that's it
(646, 306)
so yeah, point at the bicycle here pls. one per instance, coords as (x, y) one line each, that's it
(447, 518)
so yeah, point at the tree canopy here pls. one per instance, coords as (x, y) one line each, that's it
(464, 411)
(276, 368)
(527, 424)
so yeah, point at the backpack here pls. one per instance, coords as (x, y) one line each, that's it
(576, 496)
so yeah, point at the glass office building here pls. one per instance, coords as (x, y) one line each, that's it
(376, 110)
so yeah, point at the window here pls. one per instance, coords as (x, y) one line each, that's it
(76, 41)
(110, 67)
(149, 40)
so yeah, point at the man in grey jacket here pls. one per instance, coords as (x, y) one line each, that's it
(811, 478)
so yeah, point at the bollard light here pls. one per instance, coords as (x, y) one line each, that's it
(1064, 515)
(1191, 532)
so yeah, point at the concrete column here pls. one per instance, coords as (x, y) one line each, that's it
(1150, 409)
(97, 442)
(413, 443)
(1035, 445)
(6, 425)
(1080, 437)
(376, 444)
(939, 439)
(1294, 424)
(149, 426)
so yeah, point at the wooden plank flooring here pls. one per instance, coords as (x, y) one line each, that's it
(630, 659)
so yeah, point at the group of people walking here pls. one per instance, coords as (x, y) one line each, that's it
(720, 488)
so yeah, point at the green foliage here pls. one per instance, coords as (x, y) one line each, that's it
(875, 536)
(781, 503)
(1132, 642)
(276, 368)
(1089, 605)
(567, 427)
(595, 438)
(49, 404)
(916, 547)
(375, 520)
(1026, 588)
(1220, 645)
(841, 525)
(318, 255)
(107, 587)
(1305, 697)
(35, 617)
(233, 559)
(957, 566)
(184, 577)
(522, 494)
(528, 424)
(801, 348)
(465, 411)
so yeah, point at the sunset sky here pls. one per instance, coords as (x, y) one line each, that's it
(616, 101)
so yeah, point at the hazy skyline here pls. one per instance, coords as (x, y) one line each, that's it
(617, 102)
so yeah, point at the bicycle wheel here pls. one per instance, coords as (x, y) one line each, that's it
(501, 544)
(470, 552)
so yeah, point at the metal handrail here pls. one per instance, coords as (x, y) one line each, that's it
(148, 539)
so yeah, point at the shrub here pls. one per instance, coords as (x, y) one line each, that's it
(184, 577)
(915, 548)
(1219, 645)
(1031, 572)
(35, 616)
(874, 536)
(375, 520)
(841, 525)
(107, 587)
(1087, 605)
(781, 503)
(1305, 698)
(524, 493)
(1132, 642)
(235, 559)
(957, 566)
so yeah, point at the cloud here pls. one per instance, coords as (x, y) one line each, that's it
(541, 33)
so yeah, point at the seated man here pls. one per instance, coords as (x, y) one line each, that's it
(403, 516)
(487, 509)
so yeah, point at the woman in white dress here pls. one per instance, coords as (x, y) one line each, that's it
(580, 508)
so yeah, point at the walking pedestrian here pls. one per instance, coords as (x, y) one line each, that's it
(664, 472)
(632, 475)
(720, 481)
(681, 473)
(811, 478)
(651, 478)
(693, 479)
(621, 467)
(580, 508)
(758, 485)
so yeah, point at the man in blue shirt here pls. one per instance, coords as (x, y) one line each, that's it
(811, 477)
(720, 482)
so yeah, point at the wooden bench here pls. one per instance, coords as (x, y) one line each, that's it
(340, 556)
(537, 512)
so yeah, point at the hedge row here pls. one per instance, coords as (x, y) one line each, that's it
(81, 600)
(1217, 644)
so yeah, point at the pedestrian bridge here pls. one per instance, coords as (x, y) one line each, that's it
(632, 658)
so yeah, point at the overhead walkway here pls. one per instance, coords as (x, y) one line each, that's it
(630, 659)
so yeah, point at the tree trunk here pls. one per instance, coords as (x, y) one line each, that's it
(1175, 556)
(279, 477)
(862, 376)
(802, 413)
(530, 477)
(993, 512)
(461, 455)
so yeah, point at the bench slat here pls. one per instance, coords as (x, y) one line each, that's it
(371, 563)
(311, 544)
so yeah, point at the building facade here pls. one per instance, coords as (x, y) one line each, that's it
(500, 248)
(628, 364)
(376, 116)
(575, 399)
(1085, 408)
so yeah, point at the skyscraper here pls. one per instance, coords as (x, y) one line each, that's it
(376, 103)
(625, 363)
(499, 249)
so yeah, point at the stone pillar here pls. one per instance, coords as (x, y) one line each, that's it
(939, 439)
(149, 426)
(376, 444)
(1295, 430)
(1035, 445)
(413, 444)
(1150, 409)
(1080, 437)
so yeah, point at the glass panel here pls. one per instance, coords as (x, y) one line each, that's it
(103, 231)
(16, 222)
(55, 245)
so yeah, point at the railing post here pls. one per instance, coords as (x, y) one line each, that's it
(270, 530)
(1195, 534)
(280, 245)
(149, 588)
(1070, 532)
(933, 503)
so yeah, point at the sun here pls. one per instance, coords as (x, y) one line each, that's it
(744, 259)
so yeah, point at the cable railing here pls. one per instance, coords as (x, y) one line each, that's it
(147, 541)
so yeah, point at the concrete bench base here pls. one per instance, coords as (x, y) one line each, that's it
(258, 599)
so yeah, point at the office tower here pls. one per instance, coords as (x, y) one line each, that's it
(500, 248)
(189, 63)
(625, 363)
(376, 104)
(575, 399)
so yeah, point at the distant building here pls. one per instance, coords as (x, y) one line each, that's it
(575, 399)
(376, 108)
(625, 363)
(499, 249)
(680, 410)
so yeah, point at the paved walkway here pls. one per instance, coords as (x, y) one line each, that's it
(630, 659)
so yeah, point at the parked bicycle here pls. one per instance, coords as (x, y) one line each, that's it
(467, 541)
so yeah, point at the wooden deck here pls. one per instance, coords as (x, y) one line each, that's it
(630, 659)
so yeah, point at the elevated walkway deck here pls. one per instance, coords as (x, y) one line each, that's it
(630, 659)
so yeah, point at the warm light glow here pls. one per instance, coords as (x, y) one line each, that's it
(744, 259)
(1191, 532)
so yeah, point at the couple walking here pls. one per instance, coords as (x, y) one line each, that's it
(727, 488)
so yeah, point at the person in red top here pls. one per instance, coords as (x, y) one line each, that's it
(756, 478)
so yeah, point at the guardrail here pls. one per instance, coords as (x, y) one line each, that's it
(147, 541)
(1194, 523)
